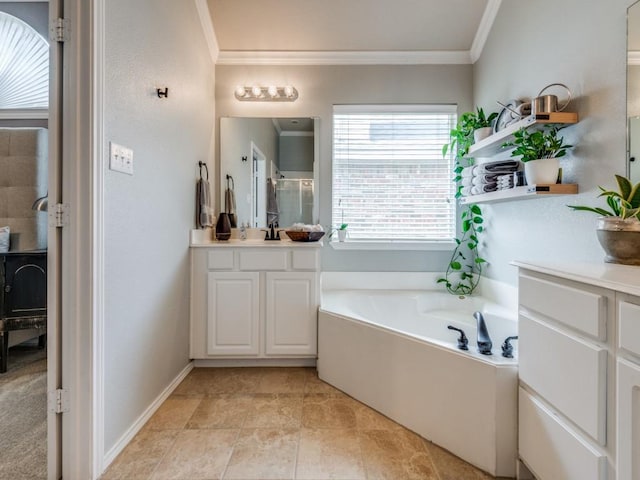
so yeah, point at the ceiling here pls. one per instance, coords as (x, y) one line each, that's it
(347, 26)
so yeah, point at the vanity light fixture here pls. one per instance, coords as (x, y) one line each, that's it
(272, 93)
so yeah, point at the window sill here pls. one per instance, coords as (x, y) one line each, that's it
(398, 245)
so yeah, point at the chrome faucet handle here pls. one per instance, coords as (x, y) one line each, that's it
(507, 348)
(463, 341)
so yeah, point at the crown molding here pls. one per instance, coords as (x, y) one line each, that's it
(227, 57)
(207, 29)
(633, 57)
(484, 28)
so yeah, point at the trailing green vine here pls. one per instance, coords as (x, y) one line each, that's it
(465, 266)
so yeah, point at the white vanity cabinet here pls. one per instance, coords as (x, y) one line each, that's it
(579, 369)
(250, 301)
(628, 388)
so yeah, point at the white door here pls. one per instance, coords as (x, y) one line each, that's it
(54, 257)
(258, 188)
(233, 314)
(291, 322)
(628, 424)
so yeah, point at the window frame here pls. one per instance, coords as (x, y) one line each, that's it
(395, 244)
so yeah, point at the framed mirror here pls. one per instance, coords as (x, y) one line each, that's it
(633, 92)
(268, 170)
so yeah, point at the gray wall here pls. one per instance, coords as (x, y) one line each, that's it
(581, 44)
(36, 14)
(149, 44)
(320, 87)
(296, 153)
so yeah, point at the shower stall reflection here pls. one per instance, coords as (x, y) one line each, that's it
(295, 200)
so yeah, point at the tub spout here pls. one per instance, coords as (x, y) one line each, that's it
(484, 341)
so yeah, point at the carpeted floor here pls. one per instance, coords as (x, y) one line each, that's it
(23, 415)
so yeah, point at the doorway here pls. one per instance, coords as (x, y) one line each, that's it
(29, 113)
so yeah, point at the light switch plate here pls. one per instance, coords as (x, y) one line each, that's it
(120, 158)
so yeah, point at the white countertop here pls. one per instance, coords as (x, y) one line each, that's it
(204, 239)
(622, 278)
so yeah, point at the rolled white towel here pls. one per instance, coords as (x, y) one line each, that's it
(466, 191)
(486, 188)
(466, 181)
(467, 172)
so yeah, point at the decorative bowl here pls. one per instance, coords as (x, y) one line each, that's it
(298, 236)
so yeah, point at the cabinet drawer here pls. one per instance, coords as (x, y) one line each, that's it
(569, 373)
(219, 259)
(628, 425)
(304, 260)
(579, 309)
(263, 260)
(552, 449)
(629, 327)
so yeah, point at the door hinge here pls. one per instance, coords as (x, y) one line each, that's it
(59, 401)
(59, 215)
(59, 31)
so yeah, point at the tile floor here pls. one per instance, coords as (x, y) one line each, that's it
(277, 423)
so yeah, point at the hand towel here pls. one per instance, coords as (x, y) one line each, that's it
(230, 206)
(204, 211)
(467, 172)
(484, 178)
(485, 188)
(504, 166)
(273, 213)
(466, 191)
(466, 181)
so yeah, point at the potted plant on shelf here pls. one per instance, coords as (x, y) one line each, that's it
(471, 127)
(539, 150)
(465, 266)
(618, 227)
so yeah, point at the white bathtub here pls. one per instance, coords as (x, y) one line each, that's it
(392, 351)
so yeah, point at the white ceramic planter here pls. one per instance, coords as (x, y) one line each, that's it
(482, 133)
(342, 235)
(542, 171)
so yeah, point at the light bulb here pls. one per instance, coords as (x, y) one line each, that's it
(273, 91)
(240, 91)
(288, 91)
(257, 91)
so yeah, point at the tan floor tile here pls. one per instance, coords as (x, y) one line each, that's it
(173, 413)
(395, 455)
(197, 454)
(138, 460)
(322, 411)
(221, 411)
(369, 419)
(316, 386)
(263, 454)
(278, 410)
(451, 467)
(282, 380)
(197, 383)
(329, 454)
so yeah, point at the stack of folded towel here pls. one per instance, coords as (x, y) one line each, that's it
(483, 178)
(505, 182)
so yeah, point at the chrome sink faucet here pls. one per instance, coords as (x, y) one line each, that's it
(484, 340)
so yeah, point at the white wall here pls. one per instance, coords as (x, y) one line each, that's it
(320, 87)
(581, 44)
(149, 44)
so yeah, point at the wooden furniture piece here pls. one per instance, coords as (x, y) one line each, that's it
(579, 371)
(23, 297)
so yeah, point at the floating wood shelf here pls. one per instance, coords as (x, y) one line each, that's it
(492, 145)
(521, 193)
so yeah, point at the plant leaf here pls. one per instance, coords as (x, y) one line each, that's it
(456, 265)
(624, 186)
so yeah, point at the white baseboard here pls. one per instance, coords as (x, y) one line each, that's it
(258, 362)
(142, 419)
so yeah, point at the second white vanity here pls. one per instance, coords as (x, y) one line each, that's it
(254, 302)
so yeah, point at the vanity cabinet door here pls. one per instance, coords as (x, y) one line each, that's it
(628, 425)
(233, 313)
(291, 313)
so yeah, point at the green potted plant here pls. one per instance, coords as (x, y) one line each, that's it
(464, 135)
(539, 150)
(618, 227)
(465, 266)
(342, 232)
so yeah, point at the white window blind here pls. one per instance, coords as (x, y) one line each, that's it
(390, 180)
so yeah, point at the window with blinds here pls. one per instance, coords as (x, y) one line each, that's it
(390, 180)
